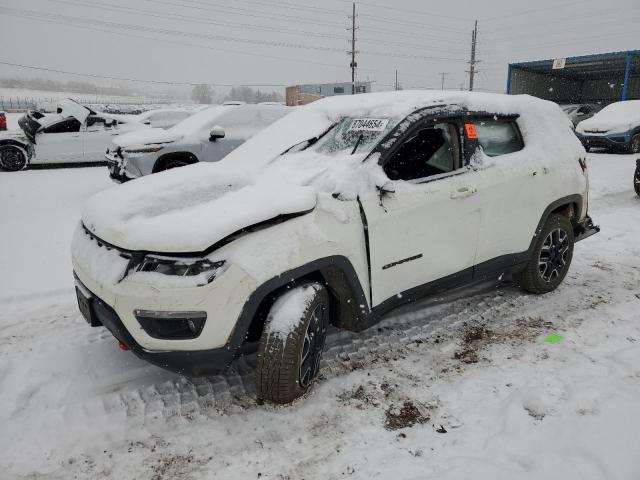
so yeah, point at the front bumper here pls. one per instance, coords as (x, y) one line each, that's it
(117, 166)
(191, 363)
(585, 229)
(614, 141)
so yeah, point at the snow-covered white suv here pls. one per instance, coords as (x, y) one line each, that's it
(337, 213)
(206, 136)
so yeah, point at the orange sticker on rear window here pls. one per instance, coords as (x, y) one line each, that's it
(470, 128)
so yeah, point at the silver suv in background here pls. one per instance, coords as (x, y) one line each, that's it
(207, 136)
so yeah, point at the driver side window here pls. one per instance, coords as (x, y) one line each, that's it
(430, 150)
(68, 125)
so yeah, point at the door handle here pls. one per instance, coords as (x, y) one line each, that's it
(463, 192)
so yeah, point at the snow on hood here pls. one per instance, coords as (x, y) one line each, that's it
(617, 117)
(184, 211)
(146, 136)
(191, 208)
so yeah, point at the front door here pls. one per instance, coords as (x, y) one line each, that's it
(59, 143)
(424, 234)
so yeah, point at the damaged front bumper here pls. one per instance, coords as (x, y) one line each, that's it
(115, 164)
(585, 229)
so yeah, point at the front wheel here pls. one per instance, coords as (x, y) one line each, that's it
(173, 164)
(12, 158)
(292, 343)
(551, 257)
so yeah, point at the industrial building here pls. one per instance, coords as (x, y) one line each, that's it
(303, 94)
(599, 78)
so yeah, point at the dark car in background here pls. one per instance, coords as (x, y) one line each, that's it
(578, 112)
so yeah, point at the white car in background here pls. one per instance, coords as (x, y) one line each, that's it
(206, 136)
(337, 213)
(75, 134)
(159, 118)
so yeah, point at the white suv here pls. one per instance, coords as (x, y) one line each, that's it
(335, 214)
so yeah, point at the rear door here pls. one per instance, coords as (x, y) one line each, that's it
(97, 137)
(512, 187)
(425, 233)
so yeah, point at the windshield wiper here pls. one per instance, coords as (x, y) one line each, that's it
(355, 147)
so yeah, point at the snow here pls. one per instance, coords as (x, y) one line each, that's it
(286, 312)
(617, 117)
(513, 406)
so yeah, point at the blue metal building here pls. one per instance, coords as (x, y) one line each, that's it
(601, 78)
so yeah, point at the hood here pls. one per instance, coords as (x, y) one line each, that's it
(146, 136)
(71, 108)
(183, 211)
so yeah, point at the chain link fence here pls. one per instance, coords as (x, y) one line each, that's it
(21, 104)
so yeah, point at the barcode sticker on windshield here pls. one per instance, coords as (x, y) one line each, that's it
(368, 124)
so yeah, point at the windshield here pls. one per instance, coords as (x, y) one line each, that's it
(354, 135)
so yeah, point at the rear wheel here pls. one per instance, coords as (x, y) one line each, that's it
(292, 343)
(12, 158)
(551, 257)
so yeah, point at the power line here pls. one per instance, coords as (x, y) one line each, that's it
(162, 82)
(206, 21)
(224, 38)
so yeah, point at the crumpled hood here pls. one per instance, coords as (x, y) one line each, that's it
(183, 210)
(146, 136)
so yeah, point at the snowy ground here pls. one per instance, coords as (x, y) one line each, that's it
(460, 388)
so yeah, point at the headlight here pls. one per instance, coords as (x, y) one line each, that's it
(143, 150)
(181, 267)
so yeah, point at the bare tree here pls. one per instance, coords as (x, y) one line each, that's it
(202, 94)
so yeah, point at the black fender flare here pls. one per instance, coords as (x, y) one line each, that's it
(574, 200)
(170, 156)
(349, 301)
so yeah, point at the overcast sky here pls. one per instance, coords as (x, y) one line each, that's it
(285, 42)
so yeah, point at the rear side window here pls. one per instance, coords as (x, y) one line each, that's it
(499, 137)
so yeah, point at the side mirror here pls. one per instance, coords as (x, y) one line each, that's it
(387, 189)
(216, 132)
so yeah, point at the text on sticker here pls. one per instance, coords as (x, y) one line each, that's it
(368, 124)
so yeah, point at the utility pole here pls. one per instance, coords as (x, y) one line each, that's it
(396, 79)
(472, 62)
(353, 52)
(443, 74)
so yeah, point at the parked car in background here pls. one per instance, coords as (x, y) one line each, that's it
(616, 128)
(74, 134)
(581, 111)
(337, 213)
(206, 136)
(3, 121)
(160, 118)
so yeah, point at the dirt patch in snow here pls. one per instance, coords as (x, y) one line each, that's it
(404, 416)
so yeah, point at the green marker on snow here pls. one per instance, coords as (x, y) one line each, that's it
(554, 338)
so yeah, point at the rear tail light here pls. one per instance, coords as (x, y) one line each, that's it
(583, 164)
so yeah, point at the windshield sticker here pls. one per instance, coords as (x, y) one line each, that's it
(368, 125)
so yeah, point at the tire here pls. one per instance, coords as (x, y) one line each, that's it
(634, 146)
(12, 158)
(291, 344)
(636, 178)
(551, 257)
